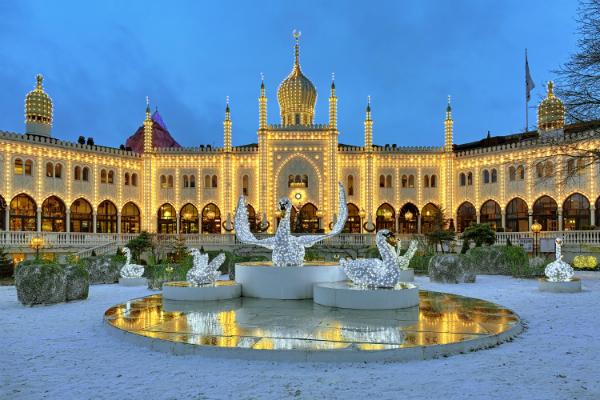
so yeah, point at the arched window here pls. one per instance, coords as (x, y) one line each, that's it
(470, 179)
(407, 218)
(167, 220)
(512, 173)
(81, 216)
(49, 170)
(23, 213)
(103, 176)
(490, 214)
(353, 223)
(111, 177)
(53, 215)
(350, 185)
(189, 219)
(433, 181)
(539, 169)
(465, 216)
(545, 212)
(576, 212)
(207, 181)
(252, 218)
(486, 176)
(245, 185)
(462, 179)
(170, 181)
(186, 182)
(134, 179)
(381, 181)
(192, 181)
(58, 170)
(214, 181)
(126, 181)
(163, 182)
(307, 220)
(517, 216)
(3, 225)
(494, 175)
(290, 180)
(431, 218)
(520, 172)
(388, 181)
(28, 167)
(305, 180)
(385, 218)
(77, 173)
(211, 219)
(18, 166)
(130, 218)
(549, 169)
(426, 181)
(411, 181)
(106, 219)
(85, 176)
(404, 181)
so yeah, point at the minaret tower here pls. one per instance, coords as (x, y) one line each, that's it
(227, 129)
(262, 105)
(38, 111)
(448, 128)
(333, 105)
(368, 127)
(148, 145)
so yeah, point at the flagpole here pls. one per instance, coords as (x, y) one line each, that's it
(526, 100)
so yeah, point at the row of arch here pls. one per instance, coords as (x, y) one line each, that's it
(409, 219)
(576, 214)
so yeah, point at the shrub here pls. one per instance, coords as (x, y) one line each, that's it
(585, 262)
(420, 263)
(372, 252)
(481, 234)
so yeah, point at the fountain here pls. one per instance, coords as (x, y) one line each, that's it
(559, 275)
(202, 282)
(288, 276)
(131, 274)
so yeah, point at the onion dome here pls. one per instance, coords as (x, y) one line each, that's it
(297, 95)
(38, 105)
(551, 112)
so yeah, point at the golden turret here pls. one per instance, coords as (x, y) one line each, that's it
(38, 110)
(551, 112)
(296, 94)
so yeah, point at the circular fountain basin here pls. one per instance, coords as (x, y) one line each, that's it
(264, 281)
(572, 286)
(300, 330)
(185, 291)
(133, 281)
(407, 275)
(347, 295)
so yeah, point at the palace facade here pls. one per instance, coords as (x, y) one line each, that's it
(52, 185)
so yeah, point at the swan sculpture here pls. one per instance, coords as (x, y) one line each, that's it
(130, 270)
(202, 271)
(558, 270)
(373, 272)
(288, 250)
(403, 261)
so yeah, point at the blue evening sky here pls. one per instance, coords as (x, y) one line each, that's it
(100, 60)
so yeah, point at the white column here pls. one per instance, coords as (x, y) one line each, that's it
(592, 215)
(530, 220)
(119, 222)
(68, 222)
(478, 217)
(419, 223)
(503, 213)
(560, 220)
(177, 219)
(39, 220)
(397, 221)
(7, 217)
(94, 215)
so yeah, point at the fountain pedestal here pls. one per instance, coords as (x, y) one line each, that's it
(133, 281)
(185, 291)
(571, 286)
(347, 295)
(264, 281)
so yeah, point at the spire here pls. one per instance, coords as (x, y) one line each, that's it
(448, 127)
(227, 128)
(333, 104)
(148, 140)
(550, 89)
(297, 35)
(368, 127)
(39, 78)
(262, 104)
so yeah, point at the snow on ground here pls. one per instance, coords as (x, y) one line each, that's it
(64, 352)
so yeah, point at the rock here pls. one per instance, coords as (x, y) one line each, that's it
(78, 282)
(451, 268)
(102, 269)
(40, 283)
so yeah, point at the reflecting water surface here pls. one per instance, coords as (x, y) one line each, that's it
(265, 324)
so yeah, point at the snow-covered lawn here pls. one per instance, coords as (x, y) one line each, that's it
(64, 352)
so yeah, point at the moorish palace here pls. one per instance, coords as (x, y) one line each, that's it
(153, 184)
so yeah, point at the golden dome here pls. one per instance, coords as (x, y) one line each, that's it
(38, 105)
(551, 112)
(297, 95)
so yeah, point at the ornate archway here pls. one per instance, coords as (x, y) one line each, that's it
(167, 219)
(545, 212)
(54, 215)
(491, 214)
(431, 218)
(211, 219)
(385, 218)
(576, 212)
(252, 218)
(3, 206)
(517, 216)
(354, 221)
(81, 219)
(465, 216)
(189, 219)
(130, 218)
(23, 213)
(408, 218)
(106, 219)
(307, 219)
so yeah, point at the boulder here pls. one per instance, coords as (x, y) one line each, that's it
(102, 269)
(78, 282)
(40, 283)
(451, 268)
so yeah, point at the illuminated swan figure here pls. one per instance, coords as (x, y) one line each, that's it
(558, 270)
(373, 272)
(130, 270)
(288, 250)
(404, 260)
(202, 271)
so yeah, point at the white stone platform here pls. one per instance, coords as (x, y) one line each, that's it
(264, 281)
(407, 275)
(133, 281)
(572, 286)
(185, 291)
(346, 295)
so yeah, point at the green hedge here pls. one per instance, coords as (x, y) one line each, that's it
(420, 263)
